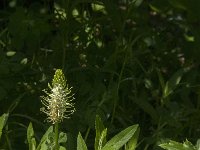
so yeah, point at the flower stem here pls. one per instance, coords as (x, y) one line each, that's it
(56, 136)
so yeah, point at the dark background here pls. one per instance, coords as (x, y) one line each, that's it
(129, 61)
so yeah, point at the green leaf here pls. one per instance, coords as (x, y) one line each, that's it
(62, 137)
(102, 140)
(81, 143)
(147, 107)
(159, 6)
(24, 61)
(172, 83)
(3, 120)
(62, 148)
(172, 145)
(10, 53)
(99, 129)
(161, 79)
(137, 2)
(31, 138)
(98, 7)
(198, 144)
(132, 144)
(42, 143)
(121, 138)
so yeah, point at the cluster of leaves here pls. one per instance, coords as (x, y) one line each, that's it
(129, 61)
(172, 145)
(126, 138)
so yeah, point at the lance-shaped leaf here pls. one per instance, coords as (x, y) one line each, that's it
(121, 138)
(100, 138)
(30, 137)
(3, 120)
(172, 145)
(81, 143)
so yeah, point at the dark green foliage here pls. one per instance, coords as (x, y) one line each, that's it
(128, 61)
(172, 145)
(126, 138)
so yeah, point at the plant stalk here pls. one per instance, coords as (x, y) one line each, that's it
(56, 130)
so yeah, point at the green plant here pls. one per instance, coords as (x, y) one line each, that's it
(47, 141)
(129, 61)
(59, 106)
(126, 138)
(3, 120)
(58, 103)
(172, 145)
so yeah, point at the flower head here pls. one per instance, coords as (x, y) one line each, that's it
(59, 101)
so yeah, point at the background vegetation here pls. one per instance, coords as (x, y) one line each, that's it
(129, 61)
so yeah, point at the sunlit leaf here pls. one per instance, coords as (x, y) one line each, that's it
(172, 145)
(10, 53)
(172, 83)
(31, 138)
(132, 143)
(3, 120)
(42, 143)
(99, 129)
(121, 138)
(81, 143)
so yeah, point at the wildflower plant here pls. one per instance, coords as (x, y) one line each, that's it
(58, 102)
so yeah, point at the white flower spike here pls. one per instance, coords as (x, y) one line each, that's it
(59, 101)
